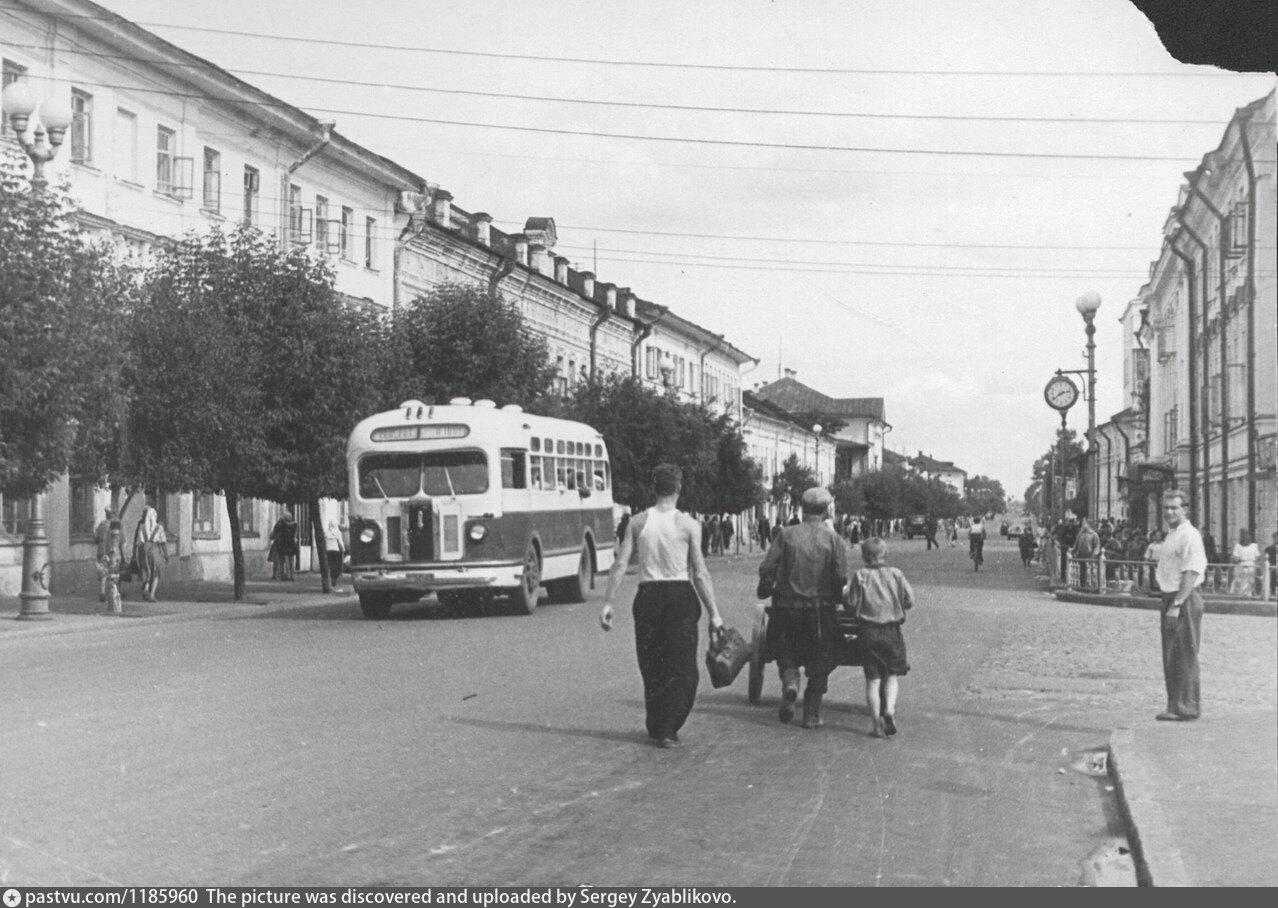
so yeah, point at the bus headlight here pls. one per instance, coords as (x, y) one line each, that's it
(367, 535)
(477, 532)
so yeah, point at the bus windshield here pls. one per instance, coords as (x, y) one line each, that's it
(404, 475)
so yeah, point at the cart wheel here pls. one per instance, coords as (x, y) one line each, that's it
(756, 656)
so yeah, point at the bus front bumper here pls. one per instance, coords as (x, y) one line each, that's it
(429, 579)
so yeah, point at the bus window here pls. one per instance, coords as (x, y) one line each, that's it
(534, 473)
(512, 469)
(571, 477)
(559, 446)
(454, 473)
(561, 478)
(601, 482)
(536, 444)
(389, 475)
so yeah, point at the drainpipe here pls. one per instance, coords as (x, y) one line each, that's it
(1193, 371)
(1127, 460)
(644, 333)
(1203, 424)
(605, 313)
(1224, 364)
(701, 366)
(1109, 474)
(1252, 429)
(326, 136)
(504, 268)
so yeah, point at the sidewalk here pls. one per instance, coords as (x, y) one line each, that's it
(1200, 799)
(180, 600)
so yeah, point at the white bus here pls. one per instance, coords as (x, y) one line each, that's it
(467, 500)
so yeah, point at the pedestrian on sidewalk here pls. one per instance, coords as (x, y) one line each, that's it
(103, 536)
(150, 547)
(1181, 566)
(335, 553)
(283, 547)
(805, 572)
(1244, 556)
(878, 598)
(929, 533)
(765, 532)
(674, 585)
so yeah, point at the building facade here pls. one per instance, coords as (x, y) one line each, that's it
(857, 425)
(163, 143)
(1207, 323)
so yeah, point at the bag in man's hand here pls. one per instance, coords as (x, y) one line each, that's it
(727, 655)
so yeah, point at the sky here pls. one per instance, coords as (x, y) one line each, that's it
(898, 200)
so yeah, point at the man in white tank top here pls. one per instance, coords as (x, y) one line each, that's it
(674, 584)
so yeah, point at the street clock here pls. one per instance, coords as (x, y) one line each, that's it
(1061, 393)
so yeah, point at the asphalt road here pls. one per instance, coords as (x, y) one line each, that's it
(309, 746)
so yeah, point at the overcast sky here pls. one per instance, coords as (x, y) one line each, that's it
(966, 170)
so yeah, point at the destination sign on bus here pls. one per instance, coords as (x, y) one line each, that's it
(419, 433)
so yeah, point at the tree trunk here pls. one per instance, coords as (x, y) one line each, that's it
(237, 543)
(317, 526)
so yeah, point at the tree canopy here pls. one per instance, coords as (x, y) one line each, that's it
(61, 339)
(456, 341)
(644, 427)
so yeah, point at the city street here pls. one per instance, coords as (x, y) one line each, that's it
(308, 746)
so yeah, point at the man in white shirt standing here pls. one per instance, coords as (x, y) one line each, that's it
(1181, 567)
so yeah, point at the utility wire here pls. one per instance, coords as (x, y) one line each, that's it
(638, 105)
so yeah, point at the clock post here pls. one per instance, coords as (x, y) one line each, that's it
(1061, 393)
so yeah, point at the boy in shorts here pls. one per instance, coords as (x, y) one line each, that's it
(878, 597)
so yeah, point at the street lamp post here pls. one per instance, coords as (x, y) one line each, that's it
(19, 103)
(1087, 305)
(816, 430)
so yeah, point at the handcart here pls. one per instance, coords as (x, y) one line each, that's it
(848, 650)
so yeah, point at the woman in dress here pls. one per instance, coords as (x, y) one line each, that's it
(1245, 555)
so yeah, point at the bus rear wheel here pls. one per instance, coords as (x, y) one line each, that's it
(523, 598)
(375, 606)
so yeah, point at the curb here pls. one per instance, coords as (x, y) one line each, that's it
(1154, 849)
(1256, 607)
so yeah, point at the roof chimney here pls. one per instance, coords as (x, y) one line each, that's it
(442, 207)
(521, 248)
(483, 222)
(588, 285)
(561, 270)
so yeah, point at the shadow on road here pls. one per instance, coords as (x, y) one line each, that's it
(527, 727)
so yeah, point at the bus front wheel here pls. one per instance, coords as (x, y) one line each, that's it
(376, 606)
(523, 598)
(574, 588)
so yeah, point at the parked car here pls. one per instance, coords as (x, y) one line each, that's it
(916, 526)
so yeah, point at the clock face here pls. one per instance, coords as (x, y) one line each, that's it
(1061, 393)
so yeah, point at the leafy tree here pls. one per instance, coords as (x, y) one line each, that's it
(893, 492)
(458, 342)
(1039, 496)
(643, 427)
(793, 480)
(61, 348)
(210, 353)
(985, 496)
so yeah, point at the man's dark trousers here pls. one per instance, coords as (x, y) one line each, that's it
(666, 613)
(1180, 654)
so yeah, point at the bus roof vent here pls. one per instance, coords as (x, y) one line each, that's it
(486, 404)
(512, 408)
(409, 406)
(460, 402)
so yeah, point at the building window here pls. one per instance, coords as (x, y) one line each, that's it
(321, 223)
(651, 361)
(165, 151)
(14, 514)
(212, 180)
(370, 242)
(12, 73)
(126, 145)
(344, 240)
(204, 514)
(252, 187)
(299, 218)
(247, 508)
(81, 127)
(82, 498)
